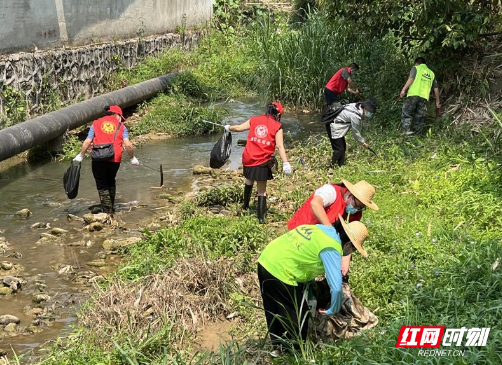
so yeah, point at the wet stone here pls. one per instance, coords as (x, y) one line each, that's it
(91, 218)
(23, 214)
(72, 217)
(11, 327)
(7, 319)
(6, 265)
(199, 170)
(34, 312)
(34, 329)
(41, 225)
(58, 231)
(39, 298)
(13, 282)
(15, 255)
(97, 263)
(5, 290)
(48, 236)
(95, 226)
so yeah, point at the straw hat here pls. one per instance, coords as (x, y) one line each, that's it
(363, 191)
(357, 233)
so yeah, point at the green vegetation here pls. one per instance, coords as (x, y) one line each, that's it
(434, 257)
(434, 246)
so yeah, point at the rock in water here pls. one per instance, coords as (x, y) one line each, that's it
(23, 214)
(7, 318)
(199, 169)
(91, 218)
(39, 298)
(58, 231)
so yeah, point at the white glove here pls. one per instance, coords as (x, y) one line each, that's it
(227, 127)
(286, 168)
(134, 161)
(78, 158)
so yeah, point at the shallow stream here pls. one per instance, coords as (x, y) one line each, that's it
(38, 187)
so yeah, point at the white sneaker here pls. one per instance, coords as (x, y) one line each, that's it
(276, 353)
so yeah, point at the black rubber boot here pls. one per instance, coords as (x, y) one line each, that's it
(106, 202)
(113, 191)
(248, 189)
(262, 208)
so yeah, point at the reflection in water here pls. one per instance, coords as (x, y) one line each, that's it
(39, 187)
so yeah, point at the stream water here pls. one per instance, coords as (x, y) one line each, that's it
(38, 187)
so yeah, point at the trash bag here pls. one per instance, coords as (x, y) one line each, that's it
(71, 179)
(221, 151)
(352, 319)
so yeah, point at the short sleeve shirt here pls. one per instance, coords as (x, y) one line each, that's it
(327, 193)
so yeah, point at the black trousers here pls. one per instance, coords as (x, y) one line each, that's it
(339, 147)
(286, 310)
(330, 96)
(105, 173)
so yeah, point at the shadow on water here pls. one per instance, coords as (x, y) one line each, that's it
(39, 188)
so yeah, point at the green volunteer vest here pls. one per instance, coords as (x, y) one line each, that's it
(423, 82)
(294, 257)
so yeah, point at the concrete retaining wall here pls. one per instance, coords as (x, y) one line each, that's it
(28, 25)
(70, 75)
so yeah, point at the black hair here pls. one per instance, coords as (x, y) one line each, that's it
(273, 112)
(354, 65)
(337, 225)
(419, 60)
(107, 110)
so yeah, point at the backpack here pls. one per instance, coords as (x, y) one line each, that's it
(221, 151)
(332, 112)
(71, 179)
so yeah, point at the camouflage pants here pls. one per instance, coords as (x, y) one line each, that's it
(414, 107)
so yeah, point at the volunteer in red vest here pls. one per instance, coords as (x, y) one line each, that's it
(330, 200)
(103, 131)
(292, 260)
(265, 135)
(339, 82)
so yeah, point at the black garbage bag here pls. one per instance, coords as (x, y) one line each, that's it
(221, 151)
(71, 180)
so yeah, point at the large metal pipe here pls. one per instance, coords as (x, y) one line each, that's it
(33, 132)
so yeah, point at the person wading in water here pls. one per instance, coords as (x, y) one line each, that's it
(265, 135)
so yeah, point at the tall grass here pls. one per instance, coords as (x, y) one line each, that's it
(299, 62)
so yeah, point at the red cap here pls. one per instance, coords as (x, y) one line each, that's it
(116, 109)
(279, 107)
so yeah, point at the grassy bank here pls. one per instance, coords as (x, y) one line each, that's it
(435, 244)
(434, 260)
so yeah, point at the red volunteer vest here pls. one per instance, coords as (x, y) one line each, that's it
(305, 215)
(104, 130)
(260, 144)
(337, 83)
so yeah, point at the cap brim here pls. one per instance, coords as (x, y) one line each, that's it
(359, 247)
(358, 195)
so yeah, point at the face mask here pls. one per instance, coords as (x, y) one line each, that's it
(368, 114)
(350, 209)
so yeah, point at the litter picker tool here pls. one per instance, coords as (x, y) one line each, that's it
(373, 152)
(161, 174)
(395, 102)
(208, 122)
